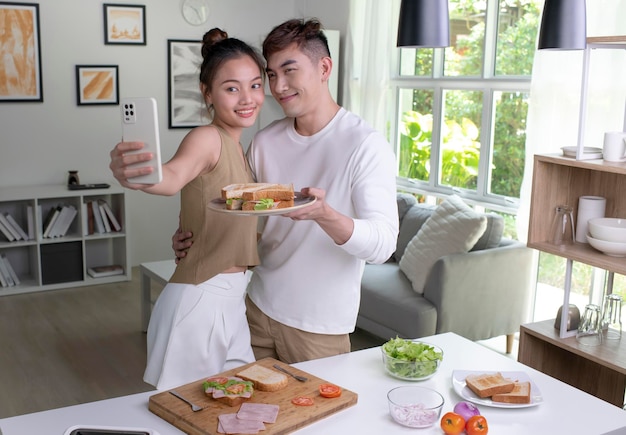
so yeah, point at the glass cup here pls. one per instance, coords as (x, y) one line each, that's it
(612, 317)
(589, 331)
(563, 225)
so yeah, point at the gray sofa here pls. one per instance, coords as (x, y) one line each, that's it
(480, 294)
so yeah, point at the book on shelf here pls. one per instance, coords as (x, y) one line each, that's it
(97, 218)
(12, 274)
(54, 227)
(5, 231)
(112, 219)
(51, 218)
(101, 271)
(105, 219)
(4, 271)
(30, 222)
(17, 226)
(88, 225)
(3, 281)
(9, 227)
(63, 222)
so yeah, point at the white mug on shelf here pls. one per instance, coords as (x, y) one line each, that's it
(589, 207)
(614, 149)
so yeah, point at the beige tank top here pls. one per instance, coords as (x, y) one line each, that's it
(220, 240)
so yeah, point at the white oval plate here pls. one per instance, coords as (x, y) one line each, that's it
(588, 152)
(458, 383)
(218, 204)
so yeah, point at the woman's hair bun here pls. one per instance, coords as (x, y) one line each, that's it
(212, 37)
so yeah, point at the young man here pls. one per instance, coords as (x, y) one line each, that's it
(303, 298)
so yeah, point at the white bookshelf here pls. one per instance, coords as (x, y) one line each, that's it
(62, 262)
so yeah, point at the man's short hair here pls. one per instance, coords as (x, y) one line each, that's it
(306, 34)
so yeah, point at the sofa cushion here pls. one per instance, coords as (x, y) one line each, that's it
(452, 228)
(413, 220)
(493, 233)
(405, 202)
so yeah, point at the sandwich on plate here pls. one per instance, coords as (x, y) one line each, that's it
(258, 196)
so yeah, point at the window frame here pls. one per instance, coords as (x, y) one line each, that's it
(488, 84)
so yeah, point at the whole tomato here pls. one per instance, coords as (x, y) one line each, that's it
(452, 423)
(477, 425)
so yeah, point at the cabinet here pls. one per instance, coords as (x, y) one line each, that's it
(62, 262)
(600, 370)
(597, 370)
(562, 180)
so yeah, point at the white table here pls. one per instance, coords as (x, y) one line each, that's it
(160, 272)
(565, 410)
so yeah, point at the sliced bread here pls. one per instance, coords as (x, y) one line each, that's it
(264, 379)
(488, 384)
(519, 394)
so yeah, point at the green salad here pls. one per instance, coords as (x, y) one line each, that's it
(264, 204)
(411, 359)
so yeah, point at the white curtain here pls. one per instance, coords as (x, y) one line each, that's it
(371, 32)
(553, 113)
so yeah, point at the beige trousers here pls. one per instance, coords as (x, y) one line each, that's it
(290, 345)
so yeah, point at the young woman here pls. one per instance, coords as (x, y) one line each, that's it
(198, 326)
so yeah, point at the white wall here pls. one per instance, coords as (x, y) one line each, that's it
(40, 142)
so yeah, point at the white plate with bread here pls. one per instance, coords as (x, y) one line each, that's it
(496, 389)
(299, 202)
(260, 199)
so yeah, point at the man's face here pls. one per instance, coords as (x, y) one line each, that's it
(295, 80)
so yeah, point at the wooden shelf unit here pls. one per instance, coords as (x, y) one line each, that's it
(597, 370)
(561, 180)
(32, 259)
(558, 180)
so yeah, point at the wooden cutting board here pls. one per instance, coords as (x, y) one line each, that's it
(290, 417)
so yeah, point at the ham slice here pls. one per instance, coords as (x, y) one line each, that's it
(230, 424)
(266, 413)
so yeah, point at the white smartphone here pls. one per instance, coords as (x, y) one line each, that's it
(140, 123)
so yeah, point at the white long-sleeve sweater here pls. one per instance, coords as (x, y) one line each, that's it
(305, 280)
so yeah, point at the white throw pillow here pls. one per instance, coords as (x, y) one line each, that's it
(453, 228)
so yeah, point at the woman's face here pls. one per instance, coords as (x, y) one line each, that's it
(237, 93)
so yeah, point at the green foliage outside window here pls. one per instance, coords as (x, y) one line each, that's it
(517, 33)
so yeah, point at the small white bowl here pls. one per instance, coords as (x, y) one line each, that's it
(609, 229)
(613, 249)
(415, 406)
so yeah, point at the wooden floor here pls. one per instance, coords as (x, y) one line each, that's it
(65, 347)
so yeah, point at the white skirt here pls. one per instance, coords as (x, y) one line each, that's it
(197, 331)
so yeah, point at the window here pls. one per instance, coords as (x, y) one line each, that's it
(461, 111)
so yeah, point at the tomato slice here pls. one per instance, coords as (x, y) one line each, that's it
(236, 389)
(302, 401)
(218, 380)
(329, 390)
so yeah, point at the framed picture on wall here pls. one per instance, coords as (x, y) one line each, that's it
(186, 106)
(97, 84)
(20, 53)
(124, 24)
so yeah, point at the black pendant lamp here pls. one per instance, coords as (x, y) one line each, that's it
(563, 25)
(424, 23)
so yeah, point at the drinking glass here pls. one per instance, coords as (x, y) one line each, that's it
(612, 317)
(589, 332)
(563, 226)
